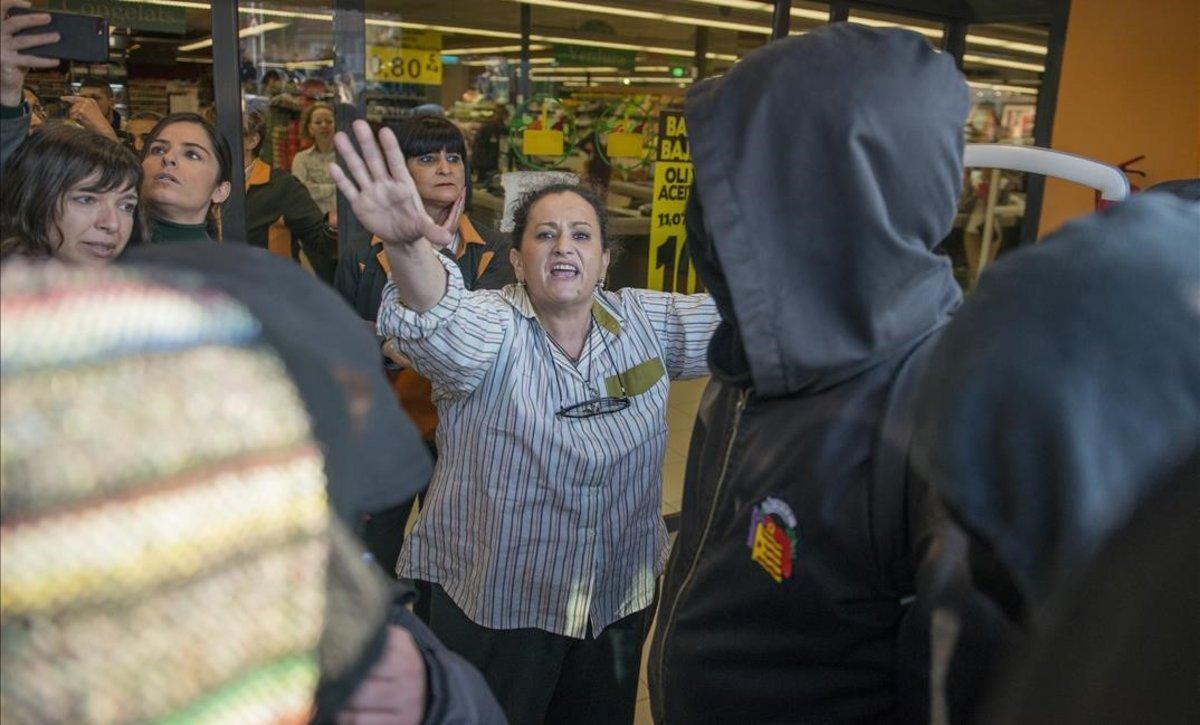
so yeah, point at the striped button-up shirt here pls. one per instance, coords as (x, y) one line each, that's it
(534, 520)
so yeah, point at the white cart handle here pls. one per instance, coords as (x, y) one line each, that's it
(1109, 180)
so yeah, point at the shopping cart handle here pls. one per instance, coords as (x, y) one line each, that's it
(1108, 180)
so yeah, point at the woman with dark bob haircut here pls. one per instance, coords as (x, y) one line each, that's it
(72, 194)
(187, 167)
(542, 536)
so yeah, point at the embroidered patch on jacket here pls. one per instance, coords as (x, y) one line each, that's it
(772, 538)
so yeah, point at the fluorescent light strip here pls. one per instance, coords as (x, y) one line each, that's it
(494, 49)
(648, 15)
(1018, 90)
(629, 46)
(464, 31)
(1006, 44)
(481, 32)
(512, 61)
(300, 64)
(873, 23)
(765, 7)
(1002, 63)
(610, 79)
(243, 33)
(580, 69)
(818, 15)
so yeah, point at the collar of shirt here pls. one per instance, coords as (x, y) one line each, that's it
(605, 310)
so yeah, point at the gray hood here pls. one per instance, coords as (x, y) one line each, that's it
(1067, 387)
(828, 167)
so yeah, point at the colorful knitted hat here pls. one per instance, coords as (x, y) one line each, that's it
(167, 549)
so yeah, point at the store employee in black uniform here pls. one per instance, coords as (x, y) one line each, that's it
(280, 211)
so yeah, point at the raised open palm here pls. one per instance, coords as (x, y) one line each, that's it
(382, 193)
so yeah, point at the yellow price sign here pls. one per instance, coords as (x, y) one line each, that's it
(670, 266)
(389, 64)
(622, 143)
(544, 141)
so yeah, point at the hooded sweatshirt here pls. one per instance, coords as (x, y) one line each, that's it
(828, 167)
(1066, 388)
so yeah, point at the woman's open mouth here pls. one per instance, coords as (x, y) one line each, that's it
(563, 270)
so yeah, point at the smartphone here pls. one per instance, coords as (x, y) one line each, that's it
(82, 38)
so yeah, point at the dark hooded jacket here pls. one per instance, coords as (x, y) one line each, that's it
(1130, 623)
(1064, 390)
(828, 167)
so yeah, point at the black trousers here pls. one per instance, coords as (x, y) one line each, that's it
(541, 677)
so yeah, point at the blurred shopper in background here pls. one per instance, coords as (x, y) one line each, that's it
(280, 213)
(311, 166)
(139, 127)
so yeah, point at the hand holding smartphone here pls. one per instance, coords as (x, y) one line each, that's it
(14, 62)
(80, 37)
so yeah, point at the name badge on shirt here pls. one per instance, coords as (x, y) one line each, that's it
(637, 379)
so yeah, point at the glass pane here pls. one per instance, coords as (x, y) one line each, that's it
(149, 71)
(1004, 64)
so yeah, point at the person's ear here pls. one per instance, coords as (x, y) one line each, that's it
(514, 258)
(605, 258)
(221, 193)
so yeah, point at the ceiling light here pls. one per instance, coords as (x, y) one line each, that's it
(660, 50)
(512, 61)
(450, 29)
(972, 38)
(648, 15)
(243, 33)
(1006, 44)
(483, 32)
(1002, 63)
(1019, 90)
(580, 69)
(493, 49)
(301, 64)
(624, 80)
(766, 7)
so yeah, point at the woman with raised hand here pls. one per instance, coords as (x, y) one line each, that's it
(542, 533)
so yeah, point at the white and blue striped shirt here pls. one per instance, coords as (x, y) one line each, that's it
(534, 520)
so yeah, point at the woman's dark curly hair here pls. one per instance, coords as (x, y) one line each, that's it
(521, 214)
(45, 167)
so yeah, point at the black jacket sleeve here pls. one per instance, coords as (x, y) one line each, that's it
(456, 692)
(307, 224)
(348, 275)
(499, 271)
(13, 131)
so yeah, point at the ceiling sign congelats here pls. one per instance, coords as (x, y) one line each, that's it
(579, 55)
(416, 59)
(137, 16)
